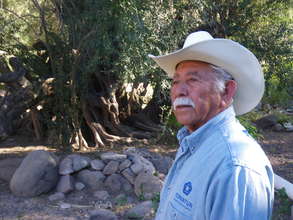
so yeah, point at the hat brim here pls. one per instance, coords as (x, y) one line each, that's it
(232, 57)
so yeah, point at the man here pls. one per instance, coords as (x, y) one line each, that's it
(220, 172)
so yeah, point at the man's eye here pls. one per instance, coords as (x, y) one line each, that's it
(174, 82)
(192, 80)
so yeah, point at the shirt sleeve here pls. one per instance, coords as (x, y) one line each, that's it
(239, 193)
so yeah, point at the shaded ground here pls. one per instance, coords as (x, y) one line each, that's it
(277, 145)
(279, 148)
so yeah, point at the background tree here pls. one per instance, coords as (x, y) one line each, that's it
(89, 80)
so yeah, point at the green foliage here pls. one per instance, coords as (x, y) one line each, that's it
(171, 127)
(111, 40)
(252, 130)
(284, 202)
(282, 117)
(121, 201)
(277, 94)
(156, 201)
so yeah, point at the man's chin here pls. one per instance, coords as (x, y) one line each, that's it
(185, 122)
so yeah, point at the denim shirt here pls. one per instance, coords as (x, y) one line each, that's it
(220, 173)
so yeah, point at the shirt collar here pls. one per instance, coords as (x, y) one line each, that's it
(190, 141)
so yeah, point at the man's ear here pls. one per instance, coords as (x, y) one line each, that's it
(230, 91)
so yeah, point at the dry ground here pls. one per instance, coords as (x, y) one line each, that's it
(277, 145)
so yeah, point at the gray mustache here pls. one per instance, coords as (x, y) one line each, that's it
(183, 101)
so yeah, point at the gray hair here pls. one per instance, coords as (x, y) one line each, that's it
(222, 76)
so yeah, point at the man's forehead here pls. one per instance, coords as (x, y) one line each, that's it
(192, 62)
(197, 67)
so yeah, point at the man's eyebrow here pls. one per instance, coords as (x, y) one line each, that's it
(193, 73)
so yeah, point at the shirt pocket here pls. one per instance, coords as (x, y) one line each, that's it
(174, 213)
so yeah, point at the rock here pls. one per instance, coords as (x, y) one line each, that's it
(56, 196)
(266, 122)
(65, 184)
(129, 175)
(113, 156)
(147, 185)
(79, 186)
(141, 161)
(125, 164)
(97, 164)
(140, 211)
(8, 167)
(126, 186)
(66, 166)
(113, 183)
(102, 214)
(138, 151)
(80, 162)
(103, 204)
(73, 163)
(64, 205)
(162, 163)
(288, 126)
(290, 110)
(101, 195)
(37, 174)
(278, 127)
(136, 167)
(121, 199)
(92, 179)
(111, 167)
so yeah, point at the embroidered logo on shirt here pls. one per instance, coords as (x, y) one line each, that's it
(187, 188)
(182, 201)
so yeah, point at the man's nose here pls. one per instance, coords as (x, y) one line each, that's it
(182, 89)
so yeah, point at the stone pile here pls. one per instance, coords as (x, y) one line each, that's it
(132, 177)
(113, 172)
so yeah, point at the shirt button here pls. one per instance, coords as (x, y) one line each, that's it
(174, 216)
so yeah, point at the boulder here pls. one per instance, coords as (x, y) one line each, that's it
(56, 196)
(73, 163)
(65, 166)
(101, 195)
(141, 164)
(113, 183)
(79, 186)
(111, 167)
(147, 185)
(65, 184)
(97, 164)
(80, 162)
(113, 156)
(137, 167)
(162, 163)
(126, 186)
(288, 126)
(102, 214)
(278, 127)
(267, 121)
(129, 175)
(140, 211)
(37, 174)
(92, 179)
(123, 165)
(8, 167)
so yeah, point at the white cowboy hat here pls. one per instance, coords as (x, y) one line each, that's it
(227, 54)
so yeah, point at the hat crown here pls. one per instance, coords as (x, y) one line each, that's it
(197, 37)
